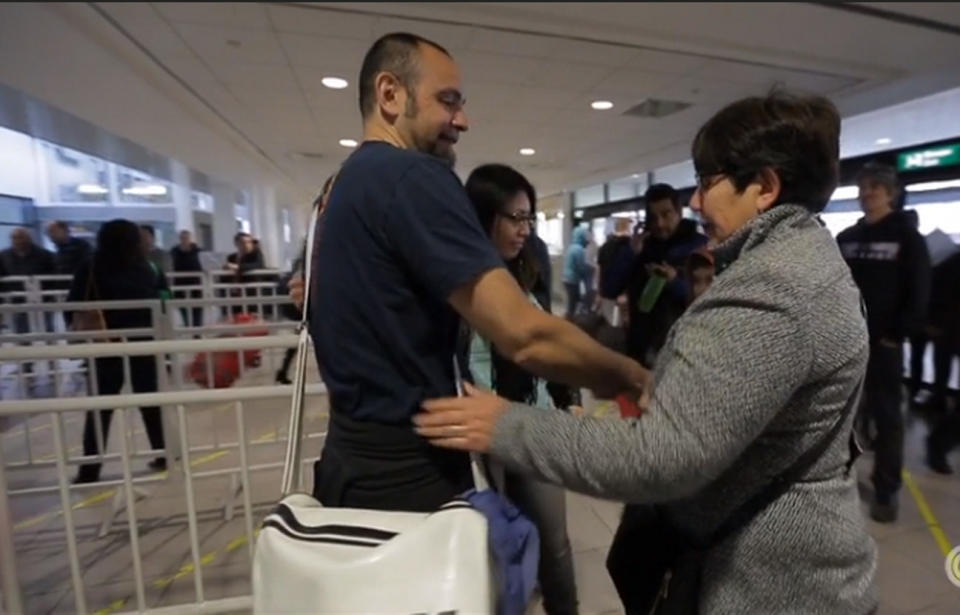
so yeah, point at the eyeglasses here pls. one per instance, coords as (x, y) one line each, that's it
(706, 181)
(519, 217)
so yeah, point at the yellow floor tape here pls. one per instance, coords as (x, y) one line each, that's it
(933, 524)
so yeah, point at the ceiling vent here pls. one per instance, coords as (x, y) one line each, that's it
(307, 156)
(655, 107)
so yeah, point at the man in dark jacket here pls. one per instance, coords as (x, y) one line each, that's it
(945, 332)
(71, 251)
(891, 266)
(667, 243)
(185, 257)
(24, 258)
(614, 261)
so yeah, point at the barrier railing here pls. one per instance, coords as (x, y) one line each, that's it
(175, 401)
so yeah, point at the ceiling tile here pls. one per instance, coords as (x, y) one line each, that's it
(451, 37)
(258, 77)
(677, 64)
(494, 41)
(319, 22)
(481, 68)
(569, 75)
(227, 45)
(228, 14)
(340, 54)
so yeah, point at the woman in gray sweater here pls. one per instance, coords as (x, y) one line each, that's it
(757, 378)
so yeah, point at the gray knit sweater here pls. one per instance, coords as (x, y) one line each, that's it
(752, 375)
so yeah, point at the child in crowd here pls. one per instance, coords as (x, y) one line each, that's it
(699, 272)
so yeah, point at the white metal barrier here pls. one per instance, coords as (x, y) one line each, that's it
(179, 452)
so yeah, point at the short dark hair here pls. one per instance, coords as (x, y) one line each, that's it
(148, 228)
(797, 137)
(60, 224)
(239, 236)
(396, 53)
(882, 174)
(660, 192)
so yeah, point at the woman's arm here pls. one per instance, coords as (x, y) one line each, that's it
(731, 367)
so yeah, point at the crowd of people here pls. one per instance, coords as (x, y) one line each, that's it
(125, 264)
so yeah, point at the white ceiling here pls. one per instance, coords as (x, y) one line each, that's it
(530, 72)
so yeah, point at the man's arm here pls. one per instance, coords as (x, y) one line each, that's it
(539, 342)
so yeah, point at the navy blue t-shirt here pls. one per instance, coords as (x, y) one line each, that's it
(397, 237)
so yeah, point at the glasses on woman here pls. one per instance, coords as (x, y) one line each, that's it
(519, 217)
(706, 181)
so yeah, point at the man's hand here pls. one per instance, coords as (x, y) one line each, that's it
(464, 423)
(231, 267)
(664, 270)
(632, 372)
(296, 290)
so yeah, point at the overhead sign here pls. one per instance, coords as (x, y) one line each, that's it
(942, 156)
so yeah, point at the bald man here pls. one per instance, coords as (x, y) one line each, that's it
(24, 258)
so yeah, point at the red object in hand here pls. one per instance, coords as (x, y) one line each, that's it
(628, 409)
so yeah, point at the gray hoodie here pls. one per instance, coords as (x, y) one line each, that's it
(753, 374)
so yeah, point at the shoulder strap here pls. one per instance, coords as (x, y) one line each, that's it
(779, 485)
(291, 462)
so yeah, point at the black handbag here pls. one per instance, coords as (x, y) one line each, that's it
(647, 548)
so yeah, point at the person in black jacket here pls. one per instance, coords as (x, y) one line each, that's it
(668, 241)
(614, 262)
(24, 258)
(72, 252)
(945, 332)
(247, 258)
(891, 266)
(185, 257)
(119, 270)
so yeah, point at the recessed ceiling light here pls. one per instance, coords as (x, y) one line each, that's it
(334, 83)
(635, 176)
(527, 151)
(601, 105)
(884, 141)
(348, 142)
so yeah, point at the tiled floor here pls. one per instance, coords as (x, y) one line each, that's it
(911, 574)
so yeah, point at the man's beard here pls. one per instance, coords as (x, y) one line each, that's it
(432, 147)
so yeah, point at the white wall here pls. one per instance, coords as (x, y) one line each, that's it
(180, 195)
(19, 175)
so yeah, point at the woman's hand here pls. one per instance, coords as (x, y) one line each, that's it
(464, 423)
(295, 285)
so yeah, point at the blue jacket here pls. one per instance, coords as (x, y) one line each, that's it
(575, 266)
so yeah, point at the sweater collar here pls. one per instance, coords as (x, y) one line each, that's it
(755, 232)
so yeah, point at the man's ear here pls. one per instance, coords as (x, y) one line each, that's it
(391, 95)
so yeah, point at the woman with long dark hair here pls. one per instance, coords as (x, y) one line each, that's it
(504, 201)
(119, 270)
